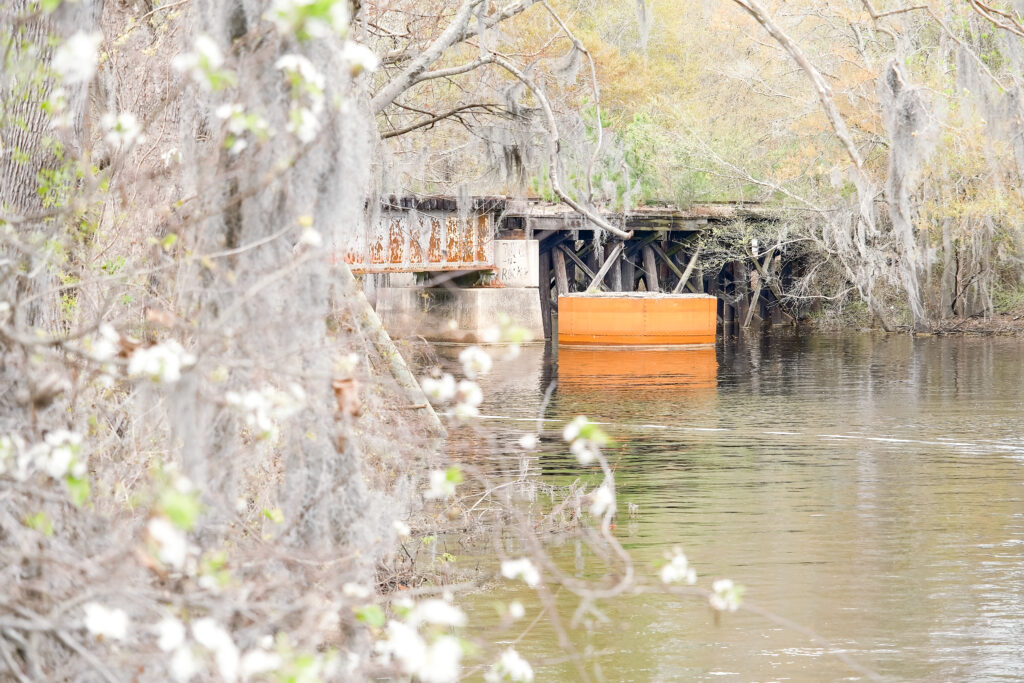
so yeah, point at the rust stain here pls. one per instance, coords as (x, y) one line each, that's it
(434, 247)
(415, 250)
(483, 235)
(468, 235)
(396, 241)
(452, 239)
(377, 251)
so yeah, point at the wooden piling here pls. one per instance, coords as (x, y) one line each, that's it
(561, 277)
(544, 286)
(740, 280)
(609, 262)
(614, 277)
(650, 270)
(579, 262)
(628, 274)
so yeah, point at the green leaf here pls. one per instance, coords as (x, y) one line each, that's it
(453, 474)
(274, 515)
(78, 489)
(182, 508)
(40, 522)
(372, 615)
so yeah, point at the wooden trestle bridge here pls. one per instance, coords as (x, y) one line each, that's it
(443, 235)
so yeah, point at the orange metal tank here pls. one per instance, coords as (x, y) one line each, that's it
(636, 318)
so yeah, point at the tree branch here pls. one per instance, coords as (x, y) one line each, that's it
(470, 31)
(597, 98)
(452, 71)
(553, 148)
(450, 36)
(435, 118)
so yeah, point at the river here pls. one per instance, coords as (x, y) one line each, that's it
(866, 487)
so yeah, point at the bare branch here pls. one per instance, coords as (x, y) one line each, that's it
(597, 99)
(452, 71)
(450, 36)
(553, 148)
(1000, 18)
(488, 108)
(821, 86)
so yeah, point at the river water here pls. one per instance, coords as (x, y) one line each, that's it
(868, 488)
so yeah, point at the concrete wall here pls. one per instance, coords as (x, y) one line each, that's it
(456, 315)
(518, 262)
(466, 315)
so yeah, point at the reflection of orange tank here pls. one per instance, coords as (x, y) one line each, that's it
(637, 318)
(605, 369)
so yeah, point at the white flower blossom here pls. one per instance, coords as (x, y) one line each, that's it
(298, 65)
(75, 59)
(677, 569)
(170, 634)
(57, 454)
(123, 130)
(347, 364)
(227, 112)
(725, 595)
(106, 344)
(184, 666)
(404, 644)
(8, 450)
(202, 63)
(491, 335)
(16, 458)
(263, 410)
(475, 361)
(465, 411)
(469, 393)
(440, 390)
(355, 590)
(292, 17)
(585, 451)
(171, 156)
(516, 610)
(401, 528)
(528, 442)
(359, 57)
(213, 637)
(442, 661)
(105, 622)
(58, 462)
(523, 569)
(572, 430)
(161, 363)
(601, 500)
(585, 448)
(440, 485)
(436, 611)
(303, 124)
(311, 238)
(256, 662)
(171, 543)
(511, 667)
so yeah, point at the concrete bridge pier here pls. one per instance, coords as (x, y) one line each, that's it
(467, 306)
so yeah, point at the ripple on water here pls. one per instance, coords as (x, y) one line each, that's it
(869, 489)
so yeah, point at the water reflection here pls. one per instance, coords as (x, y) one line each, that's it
(868, 488)
(626, 370)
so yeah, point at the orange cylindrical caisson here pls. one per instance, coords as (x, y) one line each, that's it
(637, 318)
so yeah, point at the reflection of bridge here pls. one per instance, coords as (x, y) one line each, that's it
(534, 244)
